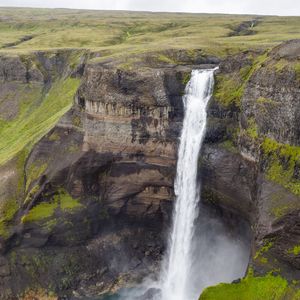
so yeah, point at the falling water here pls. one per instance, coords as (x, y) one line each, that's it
(198, 256)
(178, 264)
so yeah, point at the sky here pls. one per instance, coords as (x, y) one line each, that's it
(266, 7)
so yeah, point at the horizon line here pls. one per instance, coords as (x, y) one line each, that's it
(144, 11)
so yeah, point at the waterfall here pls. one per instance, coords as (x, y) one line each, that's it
(178, 262)
(206, 254)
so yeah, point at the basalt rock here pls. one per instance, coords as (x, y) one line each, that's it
(95, 193)
(241, 171)
(98, 188)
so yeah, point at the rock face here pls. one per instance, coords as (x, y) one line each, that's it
(251, 158)
(98, 188)
(94, 194)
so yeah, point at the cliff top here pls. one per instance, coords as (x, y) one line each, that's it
(115, 33)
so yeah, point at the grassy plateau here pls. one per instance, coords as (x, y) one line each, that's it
(117, 33)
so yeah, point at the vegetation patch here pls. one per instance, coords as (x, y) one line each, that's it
(35, 170)
(229, 146)
(283, 163)
(63, 201)
(265, 248)
(36, 118)
(186, 78)
(229, 88)
(76, 121)
(7, 212)
(40, 212)
(66, 201)
(54, 137)
(38, 294)
(268, 287)
(280, 65)
(116, 33)
(280, 211)
(166, 59)
(295, 250)
(252, 129)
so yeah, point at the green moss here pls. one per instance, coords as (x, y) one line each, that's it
(63, 201)
(73, 148)
(282, 161)
(34, 171)
(31, 194)
(281, 210)
(7, 212)
(268, 287)
(263, 260)
(54, 137)
(40, 212)
(165, 59)
(76, 121)
(66, 201)
(186, 78)
(228, 90)
(280, 65)
(260, 255)
(229, 146)
(269, 146)
(21, 159)
(252, 129)
(295, 250)
(265, 248)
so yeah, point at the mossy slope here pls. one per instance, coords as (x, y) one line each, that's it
(268, 287)
(34, 120)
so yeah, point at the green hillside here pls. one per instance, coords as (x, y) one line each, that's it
(115, 33)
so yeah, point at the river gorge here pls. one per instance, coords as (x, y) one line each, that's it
(170, 174)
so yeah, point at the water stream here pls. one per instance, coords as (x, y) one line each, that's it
(178, 264)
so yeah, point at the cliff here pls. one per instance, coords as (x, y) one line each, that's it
(250, 164)
(88, 161)
(85, 183)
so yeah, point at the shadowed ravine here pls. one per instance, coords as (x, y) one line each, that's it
(201, 251)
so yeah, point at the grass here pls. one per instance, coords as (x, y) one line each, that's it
(127, 33)
(36, 117)
(268, 287)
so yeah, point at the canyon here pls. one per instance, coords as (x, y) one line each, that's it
(88, 160)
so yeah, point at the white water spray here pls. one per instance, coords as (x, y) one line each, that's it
(178, 264)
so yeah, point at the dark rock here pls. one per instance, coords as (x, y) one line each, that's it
(151, 294)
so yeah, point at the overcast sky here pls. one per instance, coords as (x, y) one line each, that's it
(277, 7)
